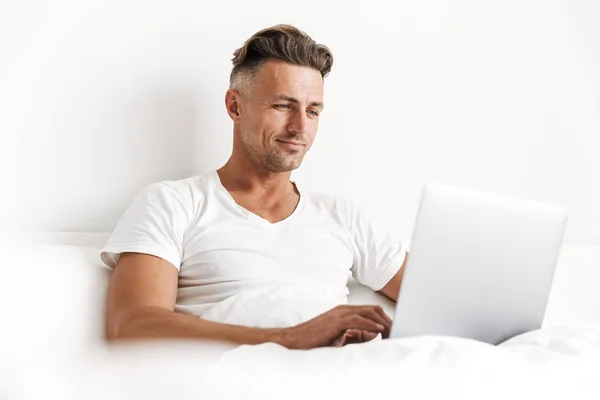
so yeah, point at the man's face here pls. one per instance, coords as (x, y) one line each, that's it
(284, 106)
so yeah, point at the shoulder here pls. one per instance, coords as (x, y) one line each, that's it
(193, 188)
(186, 195)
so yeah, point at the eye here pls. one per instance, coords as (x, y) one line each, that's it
(314, 113)
(282, 106)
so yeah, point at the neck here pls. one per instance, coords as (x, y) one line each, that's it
(253, 181)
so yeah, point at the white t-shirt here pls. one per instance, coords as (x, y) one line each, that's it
(236, 267)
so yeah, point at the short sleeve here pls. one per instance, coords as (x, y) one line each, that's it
(154, 223)
(377, 255)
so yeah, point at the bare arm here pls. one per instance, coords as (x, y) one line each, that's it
(392, 288)
(141, 305)
(141, 302)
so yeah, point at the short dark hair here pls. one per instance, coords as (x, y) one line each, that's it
(282, 42)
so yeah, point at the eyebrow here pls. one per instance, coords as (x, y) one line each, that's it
(294, 100)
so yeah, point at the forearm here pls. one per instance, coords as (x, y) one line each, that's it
(159, 323)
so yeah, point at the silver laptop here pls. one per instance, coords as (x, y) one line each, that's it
(480, 266)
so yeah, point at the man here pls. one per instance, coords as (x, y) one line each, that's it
(242, 254)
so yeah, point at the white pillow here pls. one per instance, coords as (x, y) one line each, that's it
(55, 296)
(363, 295)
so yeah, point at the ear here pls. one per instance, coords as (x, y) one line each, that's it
(233, 103)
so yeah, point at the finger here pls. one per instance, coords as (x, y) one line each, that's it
(359, 336)
(380, 311)
(339, 341)
(352, 336)
(377, 309)
(353, 333)
(368, 336)
(370, 312)
(374, 313)
(387, 317)
(375, 316)
(343, 338)
(359, 322)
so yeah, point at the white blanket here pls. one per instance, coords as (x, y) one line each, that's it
(558, 362)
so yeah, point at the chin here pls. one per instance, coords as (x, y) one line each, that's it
(283, 168)
(280, 165)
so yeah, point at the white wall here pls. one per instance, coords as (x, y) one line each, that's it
(99, 98)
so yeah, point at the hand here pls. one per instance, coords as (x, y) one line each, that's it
(338, 326)
(351, 336)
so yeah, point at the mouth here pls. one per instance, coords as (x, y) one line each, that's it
(290, 145)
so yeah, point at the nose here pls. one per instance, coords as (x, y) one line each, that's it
(299, 123)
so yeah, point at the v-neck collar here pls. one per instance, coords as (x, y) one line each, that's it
(249, 214)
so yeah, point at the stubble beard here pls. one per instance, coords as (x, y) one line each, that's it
(277, 160)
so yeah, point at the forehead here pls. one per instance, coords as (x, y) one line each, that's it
(278, 77)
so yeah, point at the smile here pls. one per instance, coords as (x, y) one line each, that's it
(290, 145)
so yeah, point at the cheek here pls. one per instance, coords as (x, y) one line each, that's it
(274, 125)
(260, 126)
(313, 130)
(276, 119)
